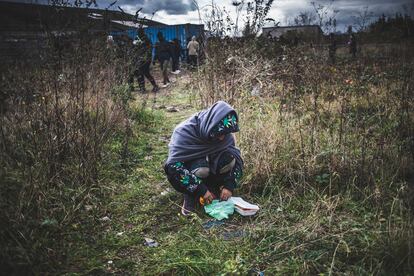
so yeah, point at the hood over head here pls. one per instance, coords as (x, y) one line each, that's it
(191, 139)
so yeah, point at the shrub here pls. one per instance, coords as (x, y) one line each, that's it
(56, 122)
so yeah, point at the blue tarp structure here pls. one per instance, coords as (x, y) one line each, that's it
(182, 32)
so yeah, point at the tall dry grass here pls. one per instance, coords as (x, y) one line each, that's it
(338, 138)
(303, 118)
(59, 114)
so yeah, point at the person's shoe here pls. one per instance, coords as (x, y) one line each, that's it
(155, 89)
(165, 85)
(188, 205)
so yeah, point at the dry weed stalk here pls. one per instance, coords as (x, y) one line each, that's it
(56, 122)
(310, 123)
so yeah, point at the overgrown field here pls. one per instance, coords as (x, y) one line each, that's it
(329, 146)
(328, 153)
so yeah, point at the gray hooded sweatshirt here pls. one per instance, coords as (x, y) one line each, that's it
(191, 140)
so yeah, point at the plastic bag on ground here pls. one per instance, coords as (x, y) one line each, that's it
(219, 209)
(243, 207)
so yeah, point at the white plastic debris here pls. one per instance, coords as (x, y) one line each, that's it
(163, 193)
(105, 218)
(243, 207)
(150, 242)
(256, 90)
(172, 109)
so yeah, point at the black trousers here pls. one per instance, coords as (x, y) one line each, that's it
(164, 64)
(175, 63)
(212, 182)
(192, 59)
(183, 180)
(141, 73)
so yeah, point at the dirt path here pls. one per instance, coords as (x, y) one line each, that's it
(292, 234)
(148, 208)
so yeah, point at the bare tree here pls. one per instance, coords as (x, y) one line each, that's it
(362, 19)
(257, 11)
(239, 7)
(195, 3)
(326, 16)
(305, 18)
(214, 19)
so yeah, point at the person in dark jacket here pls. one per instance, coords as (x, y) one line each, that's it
(332, 48)
(203, 161)
(352, 45)
(163, 53)
(176, 51)
(142, 55)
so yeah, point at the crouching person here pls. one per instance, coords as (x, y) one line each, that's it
(203, 161)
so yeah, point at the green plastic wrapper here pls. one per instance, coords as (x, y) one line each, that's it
(219, 209)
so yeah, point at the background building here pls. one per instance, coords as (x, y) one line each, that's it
(309, 33)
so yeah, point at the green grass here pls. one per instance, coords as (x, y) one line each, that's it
(293, 233)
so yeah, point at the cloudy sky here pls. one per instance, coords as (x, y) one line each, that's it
(283, 11)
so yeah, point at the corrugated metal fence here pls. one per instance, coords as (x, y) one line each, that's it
(182, 32)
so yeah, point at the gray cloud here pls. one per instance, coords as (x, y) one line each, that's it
(346, 7)
(348, 10)
(171, 7)
(378, 7)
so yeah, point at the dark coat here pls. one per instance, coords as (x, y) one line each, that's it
(191, 138)
(163, 50)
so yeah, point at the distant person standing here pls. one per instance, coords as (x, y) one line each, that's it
(352, 45)
(193, 50)
(163, 53)
(332, 48)
(295, 41)
(176, 52)
(110, 43)
(142, 55)
(111, 49)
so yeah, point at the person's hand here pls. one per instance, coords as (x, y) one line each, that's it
(225, 194)
(208, 197)
(234, 137)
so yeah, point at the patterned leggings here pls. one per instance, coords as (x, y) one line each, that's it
(182, 178)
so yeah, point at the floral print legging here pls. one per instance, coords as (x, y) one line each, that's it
(184, 181)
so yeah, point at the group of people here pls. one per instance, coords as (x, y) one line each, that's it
(139, 53)
(203, 161)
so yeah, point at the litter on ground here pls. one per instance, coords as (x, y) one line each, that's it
(219, 209)
(150, 242)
